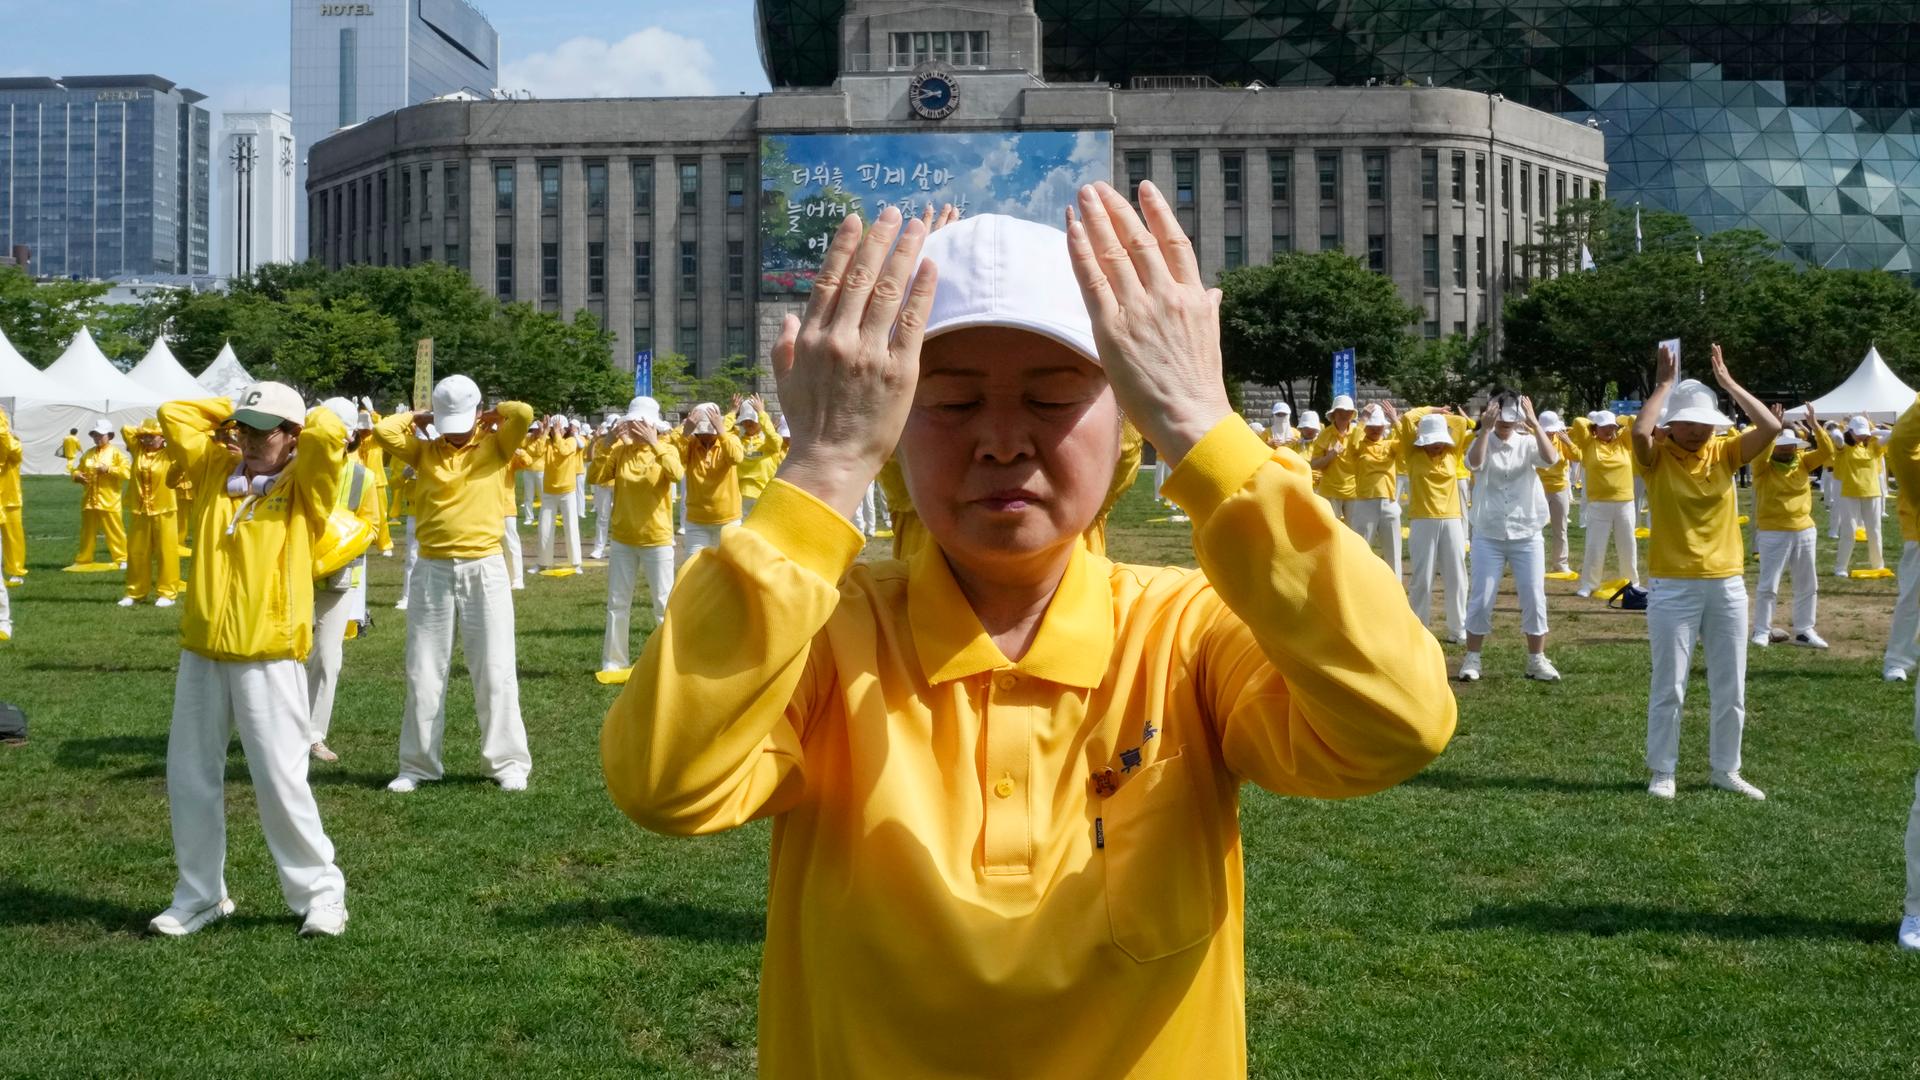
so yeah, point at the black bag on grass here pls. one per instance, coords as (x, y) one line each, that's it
(13, 723)
(1628, 598)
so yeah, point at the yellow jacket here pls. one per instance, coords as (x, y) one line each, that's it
(1554, 476)
(713, 477)
(642, 478)
(375, 459)
(70, 449)
(1608, 466)
(1432, 488)
(1375, 465)
(561, 462)
(250, 594)
(11, 456)
(761, 456)
(103, 488)
(1857, 466)
(457, 495)
(1903, 462)
(152, 490)
(946, 855)
(1783, 493)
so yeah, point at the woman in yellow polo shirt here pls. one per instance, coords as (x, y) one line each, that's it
(1004, 774)
(1697, 591)
(1334, 481)
(640, 467)
(1857, 462)
(1373, 459)
(712, 453)
(1783, 530)
(762, 449)
(1553, 481)
(1606, 461)
(1436, 529)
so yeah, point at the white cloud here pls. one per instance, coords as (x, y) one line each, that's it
(650, 63)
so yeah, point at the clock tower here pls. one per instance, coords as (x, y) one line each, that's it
(927, 62)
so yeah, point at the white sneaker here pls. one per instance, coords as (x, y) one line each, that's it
(1894, 675)
(178, 922)
(123, 566)
(1583, 592)
(518, 585)
(1541, 668)
(325, 919)
(16, 581)
(321, 752)
(1809, 639)
(402, 605)
(165, 601)
(1662, 785)
(513, 783)
(596, 554)
(1469, 668)
(1731, 781)
(125, 601)
(1761, 639)
(387, 554)
(402, 784)
(1839, 573)
(1909, 932)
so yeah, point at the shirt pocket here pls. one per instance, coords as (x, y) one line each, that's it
(1162, 897)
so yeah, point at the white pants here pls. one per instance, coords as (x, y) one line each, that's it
(1609, 520)
(624, 563)
(6, 607)
(1680, 613)
(602, 517)
(868, 516)
(1161, 470)
(1558, 504)
(1439, 544)
(1491, 558)
(700, 537)
(473, 595)
(412, 557)
(1340, 507)
(266, 701)
(1903, 652)
(561, 505)
(1778, 551)
(331, 613)
(1913, 840)
(1465, 486)
(510, 547)
(530, 484)
(1865, 513)
(1378, 523)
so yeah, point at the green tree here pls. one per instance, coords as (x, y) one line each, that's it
(40, 318)
(1282, 322)
(1442, 371)
(344, 348)
(672, 381)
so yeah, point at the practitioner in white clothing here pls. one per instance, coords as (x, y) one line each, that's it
(1510, 509)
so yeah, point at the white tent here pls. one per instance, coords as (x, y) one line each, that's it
(19, 379)
(225, 377)
(162, 373)
(1873, 390)
(80, 388)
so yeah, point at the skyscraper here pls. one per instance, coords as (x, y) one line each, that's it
(104, 175)
(354, 61)
(257, 198)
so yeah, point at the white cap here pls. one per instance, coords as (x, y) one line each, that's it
(1281, 407)
(1341, 401)
(1693, 402)
(1433, 429)
(1511, 414)
(1375, 417)
(1788, 438)
(645, 410)
(747, 414)
(704, 422)
(1603, 418)
(997, 270)
(349, 415)
(1309, 419)
(102, 426)
(1258, 427)
(1550, 422)
(267, 405)
(456, 401)
(1858, 425)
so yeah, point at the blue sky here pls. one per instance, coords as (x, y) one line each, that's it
(235, 51)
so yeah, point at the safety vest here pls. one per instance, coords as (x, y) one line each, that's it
(353, 485)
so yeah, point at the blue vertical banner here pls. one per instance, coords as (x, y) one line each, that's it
(643, 373)
(1343, 362)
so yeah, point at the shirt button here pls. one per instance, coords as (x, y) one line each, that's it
(1007, 682)
(1004, 788)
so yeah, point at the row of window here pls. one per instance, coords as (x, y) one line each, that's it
(1186, 166)
(505, 182)
(642, 269)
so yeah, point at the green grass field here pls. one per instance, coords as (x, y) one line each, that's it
(1522, 908)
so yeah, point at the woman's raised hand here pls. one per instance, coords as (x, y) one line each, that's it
(847, 368)
(1155, 322)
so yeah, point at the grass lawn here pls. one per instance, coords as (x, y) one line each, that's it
(1522, 908)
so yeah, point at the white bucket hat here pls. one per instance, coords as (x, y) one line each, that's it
(997, 270)
(1693, 402)
(1374, 418)
(703, 418)
(1310, 419)
(1788, 438)
(1858, 425)
(1551, 423)
(1258, 427)
(1341, 401)
(1511, 414)
(348, 413)
(644, 410)
(1433, 430)
(1603, 418)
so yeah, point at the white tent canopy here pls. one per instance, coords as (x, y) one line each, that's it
(225, 377)
(19, 379)
(1872, 390)
(78, 389)
(162, 373)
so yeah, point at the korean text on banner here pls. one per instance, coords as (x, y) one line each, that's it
(643, 373)
(1343, 372)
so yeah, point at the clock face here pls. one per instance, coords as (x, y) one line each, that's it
(933, 94)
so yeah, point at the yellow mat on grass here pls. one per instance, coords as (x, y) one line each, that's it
(1608, 588)
(613, 678)
(1641, 533)
(1883, 572)
(91, 568)
(558, 571)
(1563, 575)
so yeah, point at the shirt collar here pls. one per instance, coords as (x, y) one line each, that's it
(1072, 648)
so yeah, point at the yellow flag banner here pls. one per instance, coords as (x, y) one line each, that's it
(423, 375)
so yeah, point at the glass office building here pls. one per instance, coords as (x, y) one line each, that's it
(1794, 118)
(354, 61)
(104, 176)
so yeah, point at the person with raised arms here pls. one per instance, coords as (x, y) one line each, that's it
(1857, 460)
(1327, 455)
(13, 530)
(1783, 531)
(560, 453)
(711, 452)
(1373, 459)
(1606, 461)
(640, 468)
(153, 541)
(1436, 529)
(1554, 481)
(1697, 591)
(1004, 773)
(1509, 510)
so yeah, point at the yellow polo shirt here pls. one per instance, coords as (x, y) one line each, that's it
(1903, 462)
(561, 463)
(713, 477)
(1433, 489)
(1695, 530)
(1783, 493)
(1608, 465)
(1554, 477)
(1336, 480)
(1374, 464)
(1858, 468)
(990, 867)
(642, 478)
(456, 495)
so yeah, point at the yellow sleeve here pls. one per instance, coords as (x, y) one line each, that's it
(119, 463)
(668, 457)
(736, 451)
(395, 434)
(707, 734)
(317, 464)
(604, 469)
(189, 427)
(1357, 706)
(516, 417)
(1903, 449)
(1822, 453)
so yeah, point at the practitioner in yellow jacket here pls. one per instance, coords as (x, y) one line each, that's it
(1004, 774)
(154, 536)
(560, 453)
(1334, 476)
(1553, 481)
(375, 460)
(13, 533)
(1783, 530)
(1606, 460)
(762, 449)
(70, 449)
(1373, 461)
(711, 451)
(245, 632)
(641, 467)
(102, 472)
(1857, 463)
